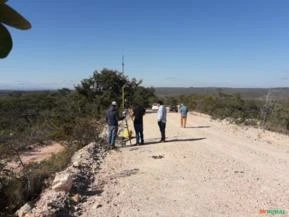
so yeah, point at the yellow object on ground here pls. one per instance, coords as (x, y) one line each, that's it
(127, 133)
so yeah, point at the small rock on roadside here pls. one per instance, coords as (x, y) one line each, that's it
(96, 206)
(76, 198)
(24, 210)
(62, 182)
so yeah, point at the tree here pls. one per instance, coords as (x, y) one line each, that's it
(143, 96)
(107, 85)
(103, 86)
(10, 17)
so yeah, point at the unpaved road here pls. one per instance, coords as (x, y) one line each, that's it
(210, 168)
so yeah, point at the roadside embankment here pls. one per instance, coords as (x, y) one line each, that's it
(69, 187)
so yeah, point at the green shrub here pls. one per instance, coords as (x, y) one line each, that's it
(273, 116)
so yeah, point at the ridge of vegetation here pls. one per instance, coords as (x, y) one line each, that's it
(267, 112)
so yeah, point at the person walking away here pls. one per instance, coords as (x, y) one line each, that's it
(112, 118)
(138, 113)
(184, 113)
(162, 119)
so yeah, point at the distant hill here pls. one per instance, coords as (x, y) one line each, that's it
(246, 93)
(4, 93)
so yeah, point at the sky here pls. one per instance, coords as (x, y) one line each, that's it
(180, 43)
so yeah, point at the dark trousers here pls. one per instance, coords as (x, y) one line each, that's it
(162, 127)
(139, 133)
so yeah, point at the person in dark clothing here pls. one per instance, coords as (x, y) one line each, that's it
(112, 118)
(138, 113)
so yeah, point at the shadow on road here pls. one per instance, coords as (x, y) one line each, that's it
(199, 127)
(174, 140)
(126, 173)
(181, 140)
(167, 141)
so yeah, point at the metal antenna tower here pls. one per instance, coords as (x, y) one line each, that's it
(122, 64)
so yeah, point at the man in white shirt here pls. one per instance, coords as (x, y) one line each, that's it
(162, 119)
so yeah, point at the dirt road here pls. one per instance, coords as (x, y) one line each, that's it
(210, 168)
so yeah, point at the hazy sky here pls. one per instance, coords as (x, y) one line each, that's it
(229, 43)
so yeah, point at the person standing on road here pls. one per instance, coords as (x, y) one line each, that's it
(184, 113)
(162, 119)
(138, 113)
(112, 118)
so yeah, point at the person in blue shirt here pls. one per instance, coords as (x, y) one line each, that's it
(162, 119)
(112, 118)
(184, 113)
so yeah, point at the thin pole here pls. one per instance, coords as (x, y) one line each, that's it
(123, 103)
(122, 89)
(122, 93)
(122, 64)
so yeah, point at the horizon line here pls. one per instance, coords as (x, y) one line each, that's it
(203, 87)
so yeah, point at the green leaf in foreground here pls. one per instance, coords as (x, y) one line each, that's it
(12, 18)
(5, 41)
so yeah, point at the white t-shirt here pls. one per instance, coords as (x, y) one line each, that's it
(162, 114)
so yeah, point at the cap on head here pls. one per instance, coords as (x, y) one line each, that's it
(113, 103)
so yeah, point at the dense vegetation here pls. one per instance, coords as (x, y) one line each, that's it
(245, 93)
(72, 117)
(264, 112)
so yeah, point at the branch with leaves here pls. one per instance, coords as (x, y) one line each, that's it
(10, 17)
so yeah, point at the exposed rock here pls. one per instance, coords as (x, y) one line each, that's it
(76, 164)
(76, 180)
(62, 182)
(104, 133)
(50, 204)
(76, 198)
(24, 210)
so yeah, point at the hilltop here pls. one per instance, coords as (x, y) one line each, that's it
(246, 93)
